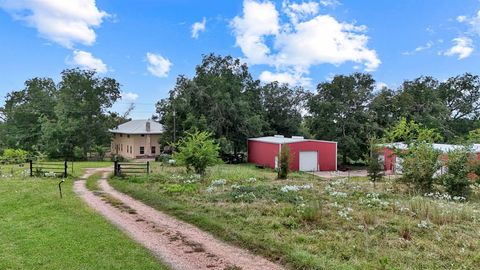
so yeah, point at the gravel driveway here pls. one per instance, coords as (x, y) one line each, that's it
(178, 244)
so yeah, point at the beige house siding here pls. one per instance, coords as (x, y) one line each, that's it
(122, 143)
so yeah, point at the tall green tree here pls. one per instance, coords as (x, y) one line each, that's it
(219, 98)
(81, 118)
(339, 112)
(419, 100)
(282, 107)
(411, 132)
(461, 96)
(23, 111)
(382, 111)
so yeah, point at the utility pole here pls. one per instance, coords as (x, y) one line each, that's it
(174, 127)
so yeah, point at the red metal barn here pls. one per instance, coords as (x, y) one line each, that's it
(306, 155)
(393, 164)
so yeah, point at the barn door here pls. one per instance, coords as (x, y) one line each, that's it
(308, 161)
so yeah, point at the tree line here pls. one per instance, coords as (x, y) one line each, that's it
(65, 120)
(224, 99)
(71, 118)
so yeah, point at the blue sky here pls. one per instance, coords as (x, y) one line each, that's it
(146, 44)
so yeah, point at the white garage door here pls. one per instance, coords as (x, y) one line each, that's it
(308, 161)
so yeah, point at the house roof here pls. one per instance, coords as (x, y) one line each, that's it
(139, 127)
(444, 148)
(278, 139)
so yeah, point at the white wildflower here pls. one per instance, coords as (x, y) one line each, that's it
(295, 188)
(218, 182)
(251, 180)
(425, 224)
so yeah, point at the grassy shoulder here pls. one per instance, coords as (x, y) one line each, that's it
(41, 231)
(308, 223)
(92, 182)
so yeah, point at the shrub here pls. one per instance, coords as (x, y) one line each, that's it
(374, 166)
(78, 153)
(420, 163)
(164, 158)
(455, 180)
(100, 151)
(313, 212)
(284, 160)
(197, 150)
(118, 158)
(14, 156)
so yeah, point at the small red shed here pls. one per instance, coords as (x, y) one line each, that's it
(393, 164)
(306, 154)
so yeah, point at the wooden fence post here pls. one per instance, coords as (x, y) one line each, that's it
(31, 167)
(148, 167)
(115, 168)
(65, 168)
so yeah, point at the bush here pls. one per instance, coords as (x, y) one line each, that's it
(374, 166)
(455, 180)
(198, 151)
(78, 153)
(14, 156)
(164, 158)
(284, 160)
(420, 163)
(118, 158)
(100, 151)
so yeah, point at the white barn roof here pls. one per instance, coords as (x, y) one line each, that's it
(279, 139)
(139, 127)
(444, 148)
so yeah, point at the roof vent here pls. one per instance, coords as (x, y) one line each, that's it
(278, 136)
(147, 126)
(298, 137)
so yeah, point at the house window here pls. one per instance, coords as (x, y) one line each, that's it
(153, 149)
(121, 147)
(128, 150)
(142, 150)
(128, 136)
(143, 135)
(121, 135)
(131, 151)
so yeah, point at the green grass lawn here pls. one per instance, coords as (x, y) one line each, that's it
(310, 223)
(38, 230)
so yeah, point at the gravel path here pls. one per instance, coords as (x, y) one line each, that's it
(178, 244)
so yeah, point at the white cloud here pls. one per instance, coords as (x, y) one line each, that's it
(198, 27)
(473, 22)
(427, 46)
(301, 11)
(63, 22)
(463, 48)
(329, 3)
(285, 77)
(129, 96)
(88, 61)
(461, 18)
(305, 40)
(258, 21)
(158, 65)
(380, 85)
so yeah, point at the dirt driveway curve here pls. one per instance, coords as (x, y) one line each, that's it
(179, 245)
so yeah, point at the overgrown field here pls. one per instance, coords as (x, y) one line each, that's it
(310, 223)
(38, 230)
